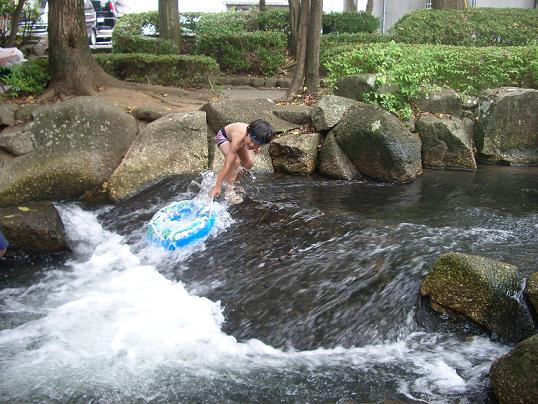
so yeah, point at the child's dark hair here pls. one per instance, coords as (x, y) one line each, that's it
(260, 131)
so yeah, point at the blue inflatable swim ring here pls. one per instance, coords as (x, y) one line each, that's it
(179, 224)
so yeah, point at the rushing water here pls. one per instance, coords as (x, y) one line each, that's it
(308, 291)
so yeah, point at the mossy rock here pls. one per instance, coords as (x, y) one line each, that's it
(513, 376)
(482, 290)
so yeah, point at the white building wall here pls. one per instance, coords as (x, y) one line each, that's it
(502, 3)
(390, 11)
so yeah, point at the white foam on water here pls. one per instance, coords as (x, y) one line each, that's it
(109, 320)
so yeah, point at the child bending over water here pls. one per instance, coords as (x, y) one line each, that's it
(239, 143)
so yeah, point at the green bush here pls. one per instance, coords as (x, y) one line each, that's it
(410, 68)
(168, 70)
(274, 19)
(350, 22)
(237, 21)
(29, 78)
(470, 27)
(245, 52)
(144, 44)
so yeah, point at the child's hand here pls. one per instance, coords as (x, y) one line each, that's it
(215, 191)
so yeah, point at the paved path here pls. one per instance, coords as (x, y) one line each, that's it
(248, 92)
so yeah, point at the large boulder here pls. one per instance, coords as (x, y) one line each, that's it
(297, 114)
(329, 110)
(34, 228)
(445, 101)
(355, 86)
(77, 146)
(531, 292)
(378, 144)
(513, 376)
(480, 289)
(222, 113)
(295, 153)
(5, 159)
(7, 114)
(174, 144)
(16, 140)
(334, 163)
(446, 143)
(507, 129)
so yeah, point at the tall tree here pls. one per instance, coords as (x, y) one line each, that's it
(294, 13)
(350, 5)
(313, 45)
(15, 20)
(263, 7)
(73, 69)
(449, 4)
(308, 43)
(370, 7)
(169, 21)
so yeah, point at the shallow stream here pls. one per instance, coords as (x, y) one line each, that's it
(308, 291)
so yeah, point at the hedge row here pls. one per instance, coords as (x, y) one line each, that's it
(411, 68)
(470, 27)
(245, 52)
(168, 70)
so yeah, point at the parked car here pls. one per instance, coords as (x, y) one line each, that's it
(100, 18)
(106, 14)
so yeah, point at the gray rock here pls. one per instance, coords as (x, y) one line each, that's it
(172, 145)
(257, 82)
(329, 110)
(446, 143)
(34, 228)
(262, 162)
(271, 82)
(469, 102)
(481, 289)
(240, 81)
(507, 129)
(7, 114)
(16, 140)
(531, 292)
(78, 145)
(355, 86)
(445, 101)
(222, 113)
(25, 113)
(297, 114)
(5, 159)
(295, 153)
(334, 163)
(283, 83)
(150, 114)
(378, 144)
(513, 376)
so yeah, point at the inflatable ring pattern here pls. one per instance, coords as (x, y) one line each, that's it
(179, 224)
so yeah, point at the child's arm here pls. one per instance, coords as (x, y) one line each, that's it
(228, 165)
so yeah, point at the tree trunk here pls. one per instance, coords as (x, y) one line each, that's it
(350, 5)
(169, 21)
(298, 76)
(73, 69)
(449, 4)
(370, 7)
(313, 45)
(263, 7)
(294, 12)
(15, 20)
